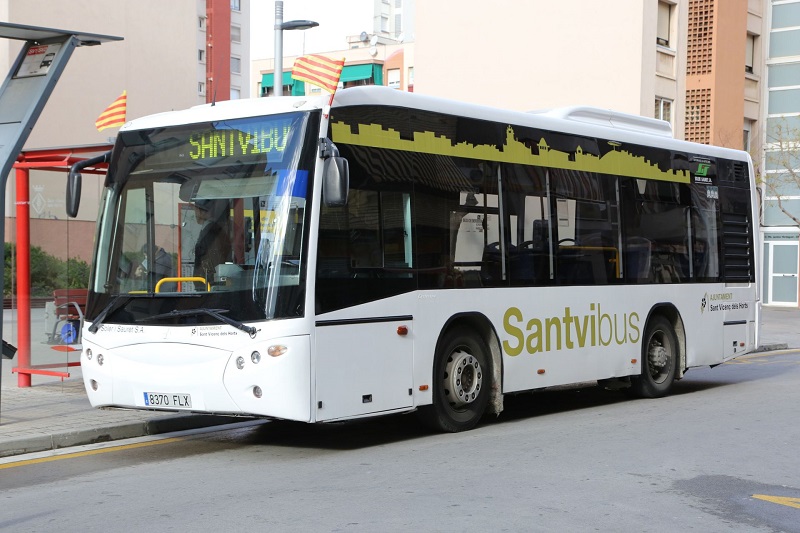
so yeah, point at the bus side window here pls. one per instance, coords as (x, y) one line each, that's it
(637, 259)
(365, 249)
(473, 254)
(526, 225)
(664, 221)
(587, 249)
(363, 222)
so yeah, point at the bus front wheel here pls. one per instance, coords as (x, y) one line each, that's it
(659, 360)
(461, 382)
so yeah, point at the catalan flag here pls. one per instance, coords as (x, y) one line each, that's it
(114, 115)
(318, 70)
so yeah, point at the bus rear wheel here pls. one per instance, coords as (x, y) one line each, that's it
(461, 383)
(659, 360)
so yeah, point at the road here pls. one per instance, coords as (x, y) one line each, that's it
(720, 454)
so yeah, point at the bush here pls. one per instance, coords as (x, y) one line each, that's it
(47, 272)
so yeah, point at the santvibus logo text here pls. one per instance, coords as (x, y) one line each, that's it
(568, 331)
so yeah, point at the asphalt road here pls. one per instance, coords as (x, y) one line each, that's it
(718, 455)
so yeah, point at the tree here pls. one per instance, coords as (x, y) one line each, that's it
(47, 272)
(779, 171)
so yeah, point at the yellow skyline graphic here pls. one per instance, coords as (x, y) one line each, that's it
(616, 161)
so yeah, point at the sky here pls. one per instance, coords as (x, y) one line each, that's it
(336, 20)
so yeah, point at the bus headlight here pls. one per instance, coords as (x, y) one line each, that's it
(255, 357)
(240, 362)
(257, 391)
(100, 359)
(89, 354)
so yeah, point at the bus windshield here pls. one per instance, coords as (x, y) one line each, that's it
(207, 216)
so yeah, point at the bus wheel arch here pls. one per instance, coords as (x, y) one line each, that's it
(467, 347)
(663, 354)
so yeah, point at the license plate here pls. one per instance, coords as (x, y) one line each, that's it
(172, 400)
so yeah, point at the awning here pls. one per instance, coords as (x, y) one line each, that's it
(369, 71)
(298, 87)
(267, 79)
(356, 72)
(363, 72)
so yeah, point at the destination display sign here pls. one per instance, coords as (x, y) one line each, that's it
(248, 139)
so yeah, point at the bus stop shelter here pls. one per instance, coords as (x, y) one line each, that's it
(50, 159)
(28, 85)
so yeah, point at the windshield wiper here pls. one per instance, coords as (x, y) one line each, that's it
(111, 305)
(215, 313)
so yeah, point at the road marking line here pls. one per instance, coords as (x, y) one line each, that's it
(780, 500)
(763, 358)
(89, 452)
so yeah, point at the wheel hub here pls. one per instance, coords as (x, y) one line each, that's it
(464, 379)
(658, 356)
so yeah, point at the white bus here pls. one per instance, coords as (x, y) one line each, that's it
(397, 252)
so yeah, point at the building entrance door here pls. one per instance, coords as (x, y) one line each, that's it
(783, 273)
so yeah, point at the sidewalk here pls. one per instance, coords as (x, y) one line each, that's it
(56, 414)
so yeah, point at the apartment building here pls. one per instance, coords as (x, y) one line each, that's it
(780, 162)
(370, 59)
(174, 55)
(694, 63)
(380, 54)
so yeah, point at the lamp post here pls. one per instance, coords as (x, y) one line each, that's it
(280, 25)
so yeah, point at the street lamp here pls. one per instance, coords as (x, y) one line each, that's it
(280, 25)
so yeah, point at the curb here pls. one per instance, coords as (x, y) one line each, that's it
(772, 347)
(156, 426)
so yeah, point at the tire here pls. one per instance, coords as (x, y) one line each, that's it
(659, 360)
(461, 382)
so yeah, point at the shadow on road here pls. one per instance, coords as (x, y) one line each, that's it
(525, 406)
(396, 428)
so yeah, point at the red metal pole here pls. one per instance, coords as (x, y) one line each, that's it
(23, 277)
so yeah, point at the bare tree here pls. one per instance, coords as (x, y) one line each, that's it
(778, 168)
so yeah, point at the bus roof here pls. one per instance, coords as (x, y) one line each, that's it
(577, 120)
(227, 110)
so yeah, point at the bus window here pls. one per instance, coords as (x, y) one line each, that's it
(528, 209)
(477, 256)
(365, 249)
(145, 244)
(396, 227)
(663, 220)
(134, 236)
(363, 222)
(587, 245)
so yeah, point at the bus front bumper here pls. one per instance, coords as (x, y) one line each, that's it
(184, 377)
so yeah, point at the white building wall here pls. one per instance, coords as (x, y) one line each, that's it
(515, 55)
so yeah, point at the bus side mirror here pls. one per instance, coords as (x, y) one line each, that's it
(74, 181)
(335, 181)
(73, 192)
(335, 174)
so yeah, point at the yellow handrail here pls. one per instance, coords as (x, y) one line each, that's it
(179, 279)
